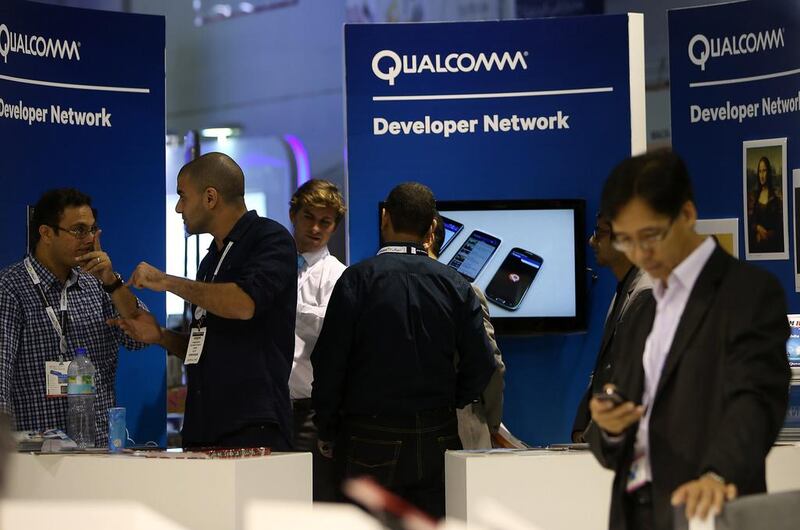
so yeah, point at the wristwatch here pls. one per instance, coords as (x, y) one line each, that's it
(113, 286)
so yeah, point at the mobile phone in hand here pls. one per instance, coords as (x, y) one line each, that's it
(611, 394)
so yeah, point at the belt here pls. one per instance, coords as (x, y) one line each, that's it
(303, 404)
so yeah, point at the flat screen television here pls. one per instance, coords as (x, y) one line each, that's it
(527, 256)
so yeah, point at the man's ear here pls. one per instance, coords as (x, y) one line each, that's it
(385, 219)
(45, 233)
(210, 197)
(689, 212)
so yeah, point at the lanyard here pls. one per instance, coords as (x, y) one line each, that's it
(51, 313)
(199, 312)
(402, 249)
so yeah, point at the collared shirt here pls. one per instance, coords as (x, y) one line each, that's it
(671, 298)
(28, 340)
(315, 281)
(242, 376)
(394, 324)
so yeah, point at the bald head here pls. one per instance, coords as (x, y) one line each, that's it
(218, 171)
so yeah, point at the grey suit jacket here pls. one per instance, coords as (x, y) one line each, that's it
(478, 420)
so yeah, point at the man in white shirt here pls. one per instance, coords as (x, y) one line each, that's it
(315, 211)
(701, 378)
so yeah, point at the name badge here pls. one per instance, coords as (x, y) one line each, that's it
(195, 349)
(55, 376)
(638, 475)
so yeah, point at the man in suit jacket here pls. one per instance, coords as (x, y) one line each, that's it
(705, 369)
(634, 291)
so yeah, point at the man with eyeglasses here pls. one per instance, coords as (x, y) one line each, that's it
(56, 300)
(700, 389)
(633, 293)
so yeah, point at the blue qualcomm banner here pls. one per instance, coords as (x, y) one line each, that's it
(522, 109)
(735, 103)
(82, 105)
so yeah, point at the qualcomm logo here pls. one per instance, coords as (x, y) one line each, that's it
(36, 45)
(701, 47)
(451, 63)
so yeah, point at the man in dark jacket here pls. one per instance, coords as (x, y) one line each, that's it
(704, 372)
(385, 384)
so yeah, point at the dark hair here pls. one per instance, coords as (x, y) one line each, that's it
(318, 193)
(218, 171)
(411, 206)
(438, 236)
(50, 207)
(659, 178)
(768, 183)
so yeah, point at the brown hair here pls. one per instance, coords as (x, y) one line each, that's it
(318, 193)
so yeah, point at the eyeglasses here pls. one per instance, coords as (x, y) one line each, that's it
(646, 242)
(79, 232)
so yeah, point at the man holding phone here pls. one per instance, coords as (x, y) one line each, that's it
(704, 371)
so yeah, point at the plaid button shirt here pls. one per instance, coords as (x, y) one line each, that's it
(28, 340)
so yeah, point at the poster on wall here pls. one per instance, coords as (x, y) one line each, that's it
(513, 110)
(796, 223)
(735, 118)
(82, 106)
(765, 199)
(726, 231)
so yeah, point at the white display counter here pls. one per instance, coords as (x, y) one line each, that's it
(561, 489)
(197, 494)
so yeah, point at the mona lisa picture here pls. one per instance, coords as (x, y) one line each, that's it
(765, 203)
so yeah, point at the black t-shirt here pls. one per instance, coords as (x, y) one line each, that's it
(243, 374)
(392, 328)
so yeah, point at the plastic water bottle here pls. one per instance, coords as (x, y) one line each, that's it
(80, 397)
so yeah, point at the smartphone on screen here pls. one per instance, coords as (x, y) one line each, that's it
(474, 254)
(451, 230)
(513, 279)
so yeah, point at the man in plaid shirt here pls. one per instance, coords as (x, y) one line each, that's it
(56, 300)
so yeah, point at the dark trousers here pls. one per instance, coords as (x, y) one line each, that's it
(258, 435)
(306, 436)
(403, 454)
(639, 509)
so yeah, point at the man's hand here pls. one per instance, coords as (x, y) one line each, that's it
(141, 327)
(145, 276)
(704, 494)
(614, 419)
(97, 263)
(325, 448)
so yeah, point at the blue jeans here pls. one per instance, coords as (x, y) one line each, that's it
(404, 454)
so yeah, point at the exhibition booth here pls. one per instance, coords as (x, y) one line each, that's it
(513, 124)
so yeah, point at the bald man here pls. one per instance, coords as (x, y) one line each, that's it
(239, 352)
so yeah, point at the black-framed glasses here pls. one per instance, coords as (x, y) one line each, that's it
(79, 232)
(648, 240)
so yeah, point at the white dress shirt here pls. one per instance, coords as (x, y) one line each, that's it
(671, 299)
(315, 282)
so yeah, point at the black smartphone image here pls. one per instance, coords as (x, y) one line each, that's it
(513, 279)
(474, 254)
(451, 230)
